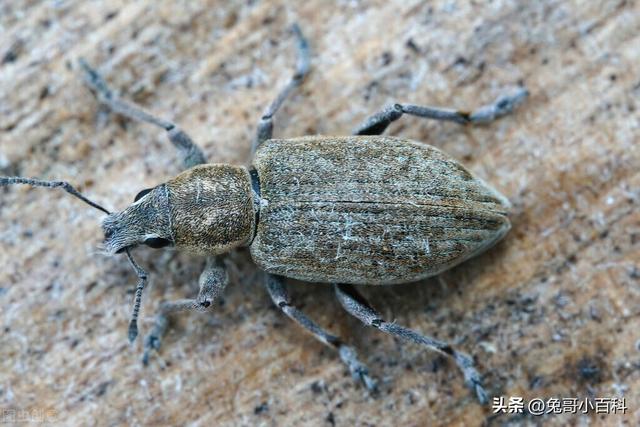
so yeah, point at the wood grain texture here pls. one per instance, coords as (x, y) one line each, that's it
(369, 210)
(551, 311)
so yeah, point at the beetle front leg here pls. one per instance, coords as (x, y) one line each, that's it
(347, 354)
(504, 105)
(191, 153)
(358, 306)
(212, 282)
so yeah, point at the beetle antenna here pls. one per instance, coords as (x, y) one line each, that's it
(142, 281)
(9, 180)
(140, 272)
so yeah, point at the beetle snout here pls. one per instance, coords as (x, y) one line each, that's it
(146, 221)
(112, 246)
(115, 234)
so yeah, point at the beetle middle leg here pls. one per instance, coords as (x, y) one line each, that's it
(358, 306)
(265, 125)
(504, 105)
(191, 153)
(348, 355)
(212, 282)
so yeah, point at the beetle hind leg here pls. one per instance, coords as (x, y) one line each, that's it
(357, 305)
(504, 105)
(190, 152)
(358, 371)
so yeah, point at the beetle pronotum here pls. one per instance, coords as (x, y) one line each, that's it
(353, 210)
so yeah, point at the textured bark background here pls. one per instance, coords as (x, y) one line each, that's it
(552, 311)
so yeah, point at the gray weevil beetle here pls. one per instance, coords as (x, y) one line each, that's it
(352, 210)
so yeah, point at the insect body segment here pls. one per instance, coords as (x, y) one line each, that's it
(211, 209)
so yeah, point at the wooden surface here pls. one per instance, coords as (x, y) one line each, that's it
(552, 311)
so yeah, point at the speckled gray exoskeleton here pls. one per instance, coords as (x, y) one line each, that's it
(347, 210)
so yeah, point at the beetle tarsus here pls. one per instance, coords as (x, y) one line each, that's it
(501, 107)
(471, 376)
(481, 394)
(358, 306)
(359, 372)
(151, 343)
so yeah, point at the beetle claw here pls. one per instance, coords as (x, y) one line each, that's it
(481, 393)
(359, 371)
(370, 383)
(472, 380)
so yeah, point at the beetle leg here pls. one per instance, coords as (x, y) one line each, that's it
(265, 125)
(358, 306)
(212, 282)
(347, 354)
(504, 105)
(191, 153)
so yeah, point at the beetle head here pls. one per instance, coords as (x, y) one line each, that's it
(146, 221)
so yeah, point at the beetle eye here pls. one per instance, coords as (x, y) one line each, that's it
(157, 242)
(141, 194)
